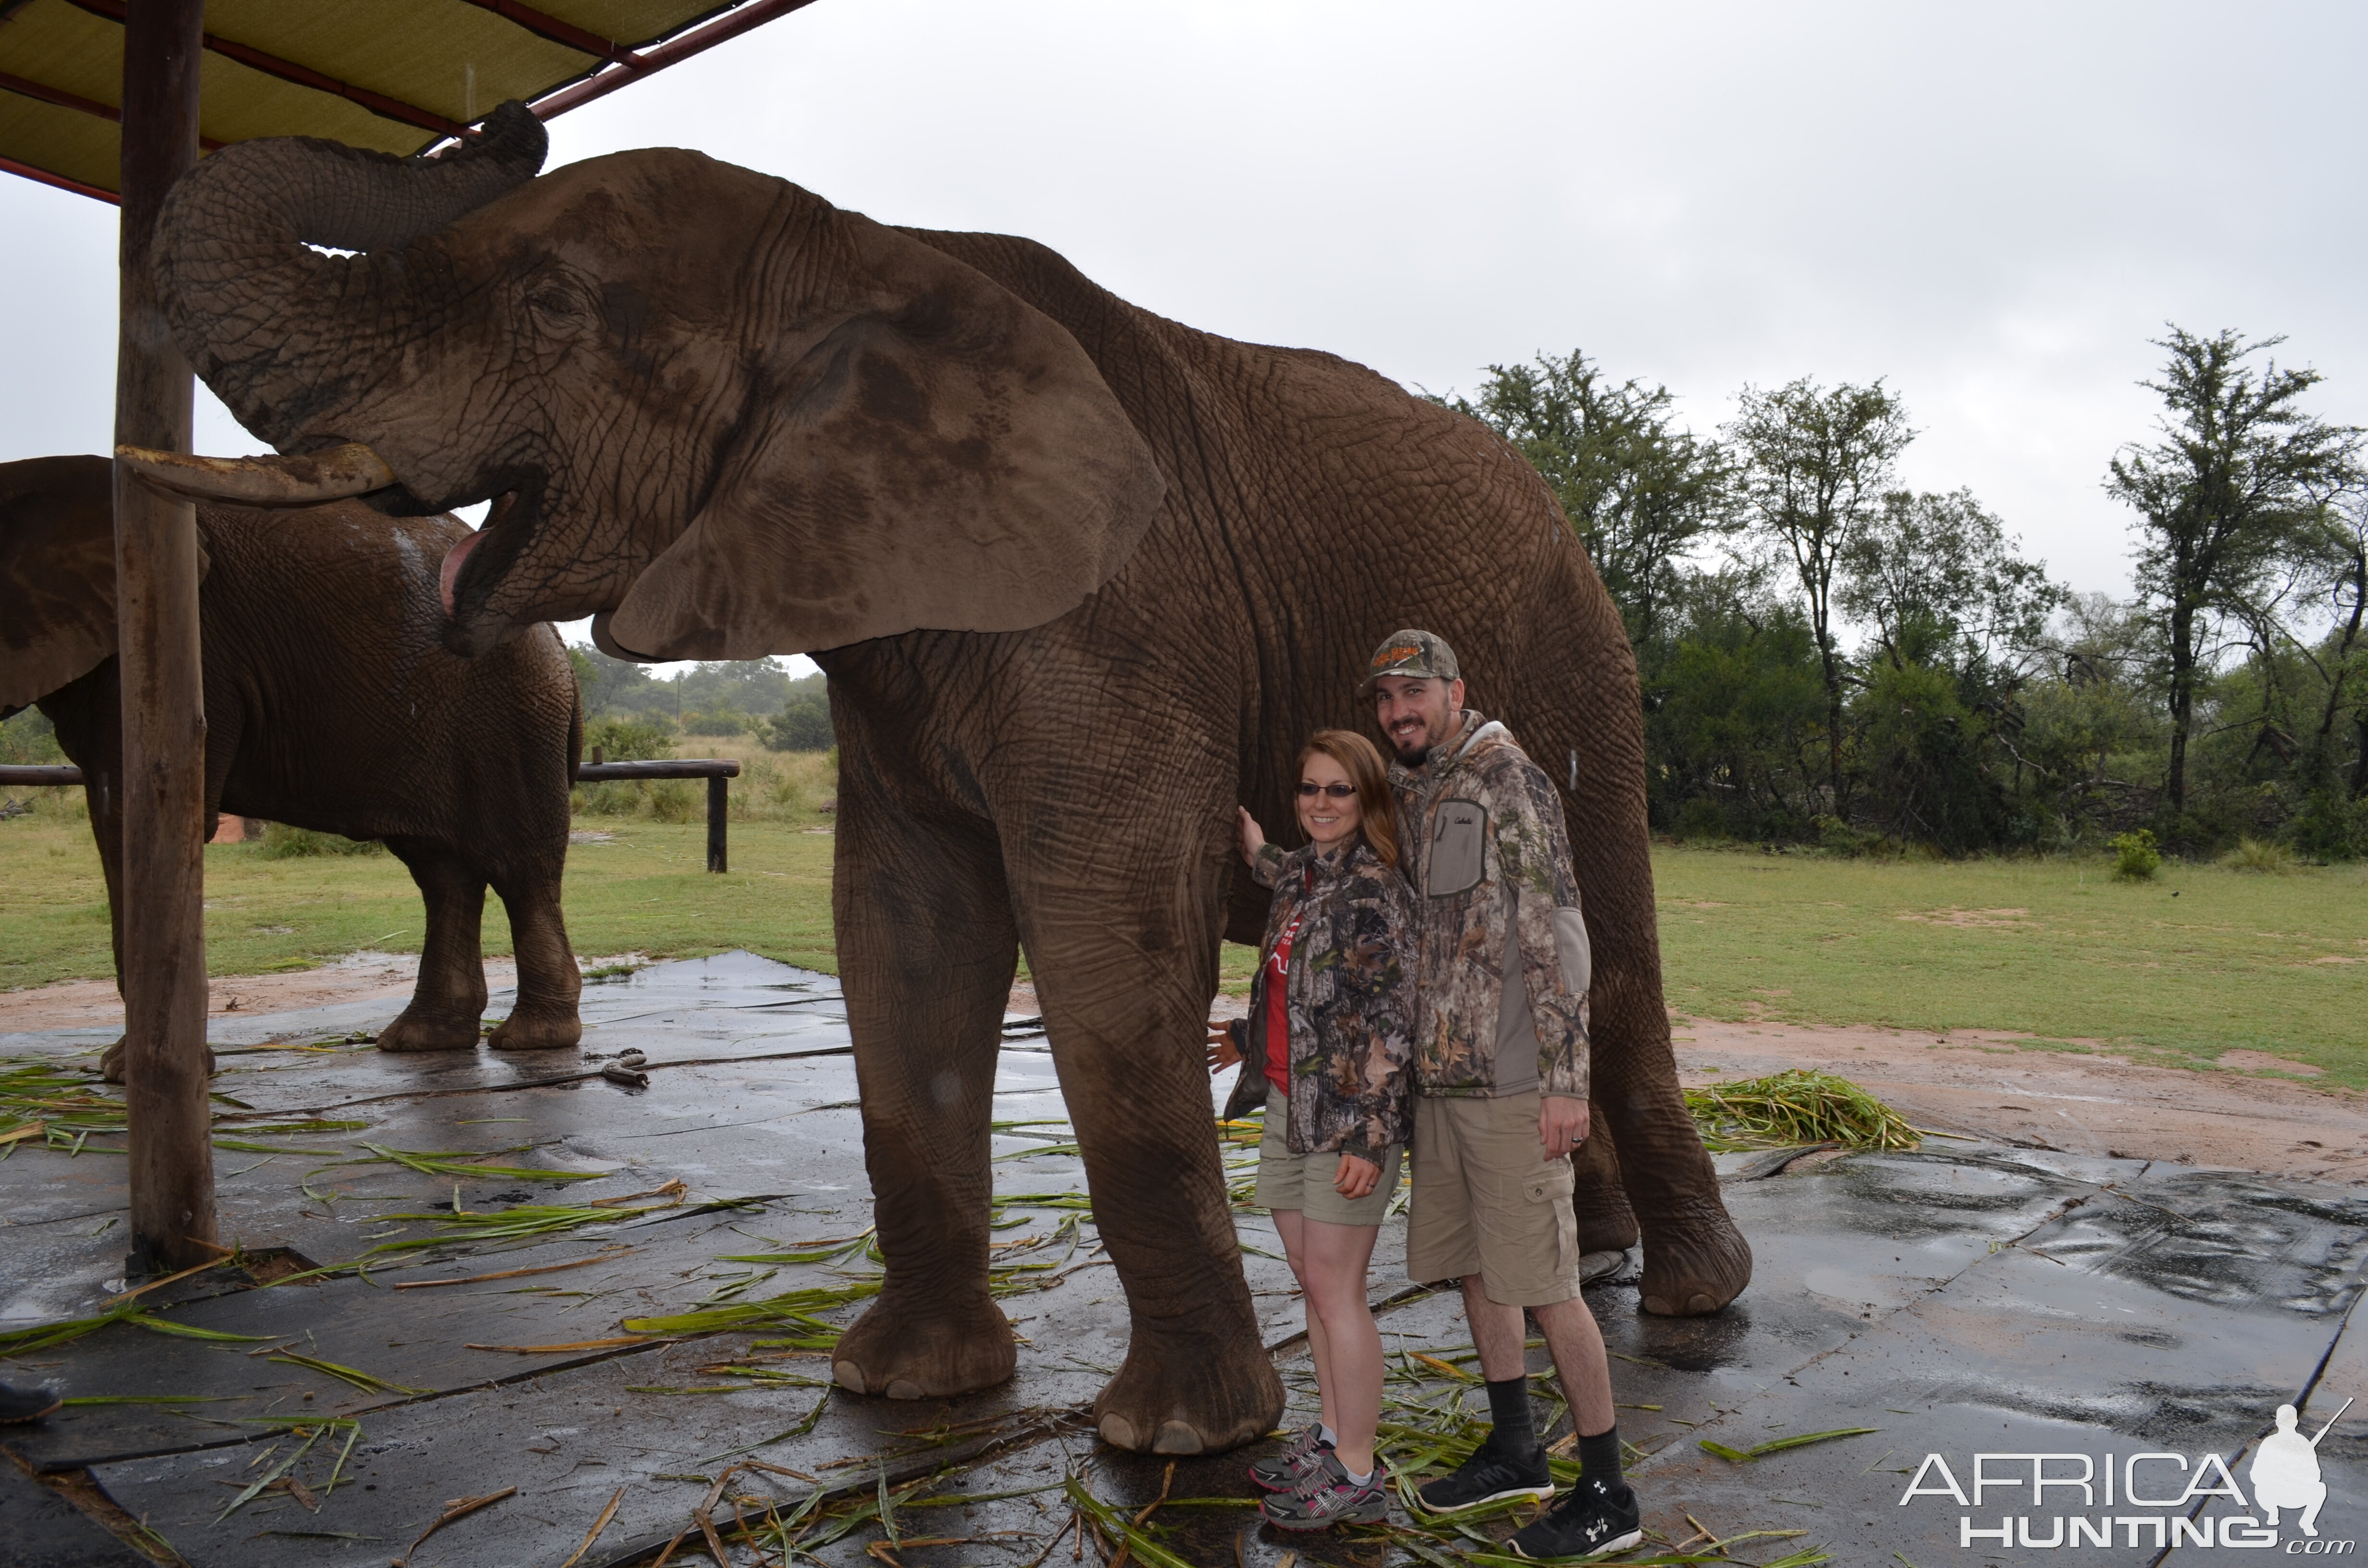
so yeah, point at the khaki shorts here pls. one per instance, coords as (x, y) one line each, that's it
(1304, 1182)
(1486, 1201)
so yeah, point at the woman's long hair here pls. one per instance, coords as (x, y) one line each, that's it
(1377, 807)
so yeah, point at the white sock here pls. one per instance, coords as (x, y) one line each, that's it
(1364, 1479)
(1327, 1436)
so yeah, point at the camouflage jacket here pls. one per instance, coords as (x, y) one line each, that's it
(1349, 1000)
(1505, 962)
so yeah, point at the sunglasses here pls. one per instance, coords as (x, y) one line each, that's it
(1337, 792)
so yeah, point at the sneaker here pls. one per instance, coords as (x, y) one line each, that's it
(1328, 1498)
(26, 1404)
(1285, 1470)
(1490, 1475)
(1592, 1519)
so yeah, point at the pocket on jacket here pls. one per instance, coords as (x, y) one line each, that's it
(1455, 861)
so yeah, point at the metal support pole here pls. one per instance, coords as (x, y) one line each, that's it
(717, 802)
(172, 1170)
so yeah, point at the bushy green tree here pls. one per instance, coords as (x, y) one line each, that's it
(1640, 492)
(2225, 496)
(1814, 466)
(803, 726)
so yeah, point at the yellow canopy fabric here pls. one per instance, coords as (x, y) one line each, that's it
(399, 76)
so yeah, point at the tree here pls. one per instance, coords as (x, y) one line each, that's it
(1638, 492)
(1944, 565)
(1815, 466)
(2229, 493)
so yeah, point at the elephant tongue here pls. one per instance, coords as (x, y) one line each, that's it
(454, 559)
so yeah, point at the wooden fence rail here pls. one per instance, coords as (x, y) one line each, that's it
(715, 770)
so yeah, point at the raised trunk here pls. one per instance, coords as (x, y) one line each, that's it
(271, 323)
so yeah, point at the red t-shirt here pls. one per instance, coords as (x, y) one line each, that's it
(1278, 1009)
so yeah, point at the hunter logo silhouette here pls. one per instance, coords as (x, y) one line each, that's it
(2285, 1471)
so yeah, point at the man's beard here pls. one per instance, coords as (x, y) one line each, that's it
(1414, 756)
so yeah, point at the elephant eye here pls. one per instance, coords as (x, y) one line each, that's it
(554, 301)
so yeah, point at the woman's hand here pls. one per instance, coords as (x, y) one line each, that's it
(1221, 1052)
(1250, 836)
(1356, 1177)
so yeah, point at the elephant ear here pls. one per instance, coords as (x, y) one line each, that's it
(57, 574)
(931, 452)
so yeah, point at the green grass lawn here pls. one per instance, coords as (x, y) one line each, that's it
(2056, 949)
(2197, 961)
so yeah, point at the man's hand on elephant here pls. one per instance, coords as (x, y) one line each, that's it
(1223, 1052)
(1561, 1126)
(1355, 1178)
(1251, 837)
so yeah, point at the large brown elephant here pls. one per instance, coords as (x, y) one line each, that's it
(1081, 579)
(330, 704)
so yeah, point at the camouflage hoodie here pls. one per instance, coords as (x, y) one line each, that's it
(1350, 999)
(1504, 962)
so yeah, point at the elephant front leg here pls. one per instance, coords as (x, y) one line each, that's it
(927, 953)
(449, 1002)
(1125, 1020)
(544, 1016)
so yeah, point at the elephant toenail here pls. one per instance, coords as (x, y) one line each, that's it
(1118, 1432)
(1175, 1438)
(849, 1376)
(904, 1388)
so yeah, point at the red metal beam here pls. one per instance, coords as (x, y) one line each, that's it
(545, 26)
(44, 93)
(303, 76)
(675, 50)
(43, 176)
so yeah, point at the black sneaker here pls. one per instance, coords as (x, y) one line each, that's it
(1591, 1520)
(1490, 1475)
(26, 1404)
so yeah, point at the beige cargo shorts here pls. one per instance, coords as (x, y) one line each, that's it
(1304, 1182)
(1486, 1201)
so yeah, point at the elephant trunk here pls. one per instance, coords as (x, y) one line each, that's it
(271, 322)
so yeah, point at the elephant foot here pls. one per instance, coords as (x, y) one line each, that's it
(110, 1065)
(1606, 1223)
(1694, 1266)
(905, 1348)
(534, 1030)
(1190, 1396)
(414, 1030)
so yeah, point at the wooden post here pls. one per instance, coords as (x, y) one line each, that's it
(171, 1168)
(717, 802)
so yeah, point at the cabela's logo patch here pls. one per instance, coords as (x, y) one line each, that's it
(1395, 655)
(2287, 1494)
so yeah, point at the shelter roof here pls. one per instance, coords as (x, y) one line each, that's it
(398, 75)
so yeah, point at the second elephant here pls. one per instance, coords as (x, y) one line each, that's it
(330, 705)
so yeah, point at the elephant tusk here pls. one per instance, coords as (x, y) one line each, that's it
(307, 481)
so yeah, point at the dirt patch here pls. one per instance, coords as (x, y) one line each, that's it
(1994, 1086)
(1976, 919)
(356, 977)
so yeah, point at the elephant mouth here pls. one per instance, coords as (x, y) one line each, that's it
(448, 577)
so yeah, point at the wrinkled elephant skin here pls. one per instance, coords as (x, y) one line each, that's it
(1081, 579)
(332, 705)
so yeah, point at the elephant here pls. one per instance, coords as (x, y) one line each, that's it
(330, 704)
(1081, 579)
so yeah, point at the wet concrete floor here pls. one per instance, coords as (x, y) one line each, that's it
(2109, 1335)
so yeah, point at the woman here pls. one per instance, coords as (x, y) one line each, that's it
(1328, 1041)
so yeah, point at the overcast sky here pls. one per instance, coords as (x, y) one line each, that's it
(1991, 207)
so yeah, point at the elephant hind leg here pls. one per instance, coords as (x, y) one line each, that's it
(449, 999)
(544, 1016)
(927, 952)
(1606, 1223)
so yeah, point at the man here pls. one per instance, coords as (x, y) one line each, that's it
(1500, 1080)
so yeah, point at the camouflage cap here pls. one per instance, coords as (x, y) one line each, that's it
(1416, 654)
